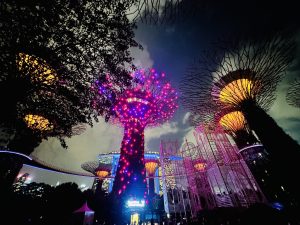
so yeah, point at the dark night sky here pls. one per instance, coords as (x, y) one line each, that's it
(171, 48)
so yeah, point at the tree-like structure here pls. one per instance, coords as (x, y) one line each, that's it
(150, 102)
(243, 76)
(151, 165)
(293, 96)
(101, 170)
(51, 53)
(234, 123)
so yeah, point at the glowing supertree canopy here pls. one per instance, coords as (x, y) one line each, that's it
(243, 76)
(101, 170)
(233, 121)
(151, 166)
(150, 102)
(293, 96)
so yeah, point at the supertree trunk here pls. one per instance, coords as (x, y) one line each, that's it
(130, 180)
(151, 187)
(284, 158)
(243, 139)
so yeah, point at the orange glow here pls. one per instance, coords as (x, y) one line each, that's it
(233, 121)
(236, 91)
(102, 173)
(37, 68)
(37, 122)
(200, 166)
(151, 167)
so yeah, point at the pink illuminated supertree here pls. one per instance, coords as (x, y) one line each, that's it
(149, 102)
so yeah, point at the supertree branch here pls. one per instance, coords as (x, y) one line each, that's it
(149, 102)
(161, 11)
(90, 166)
(293, 96)
(243, 77)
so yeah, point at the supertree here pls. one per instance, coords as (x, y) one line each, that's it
(151, 165)
(100, 170)
(150, 102)
(293, 97)
(243, 76)
(51, 53)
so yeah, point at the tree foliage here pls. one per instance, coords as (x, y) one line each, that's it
(52, 53)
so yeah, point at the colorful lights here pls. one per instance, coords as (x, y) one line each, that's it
(37, 68)
(149, 102)
(236, 91)
(151, 167)
(102, 174)
(233, 121)
(200, 166)
(37, 122)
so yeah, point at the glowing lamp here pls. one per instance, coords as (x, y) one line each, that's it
(200, 165)
(236, 91)
(233, 121)
(37, 122)
(37, 68)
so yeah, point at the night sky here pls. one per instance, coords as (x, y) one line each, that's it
(171, 48)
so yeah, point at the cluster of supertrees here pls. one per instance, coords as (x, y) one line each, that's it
(234, 86)
(150, 101)
(51, 54)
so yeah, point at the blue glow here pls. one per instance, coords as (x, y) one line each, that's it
(251, 146)
(277, 205)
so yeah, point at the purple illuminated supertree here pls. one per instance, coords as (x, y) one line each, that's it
(150, 102)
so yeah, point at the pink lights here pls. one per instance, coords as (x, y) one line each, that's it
(149, 102)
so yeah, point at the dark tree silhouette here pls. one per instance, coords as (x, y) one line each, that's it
(162, 11)
(63, 201)
(51, 53)
(242, 76)
(293, 96)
